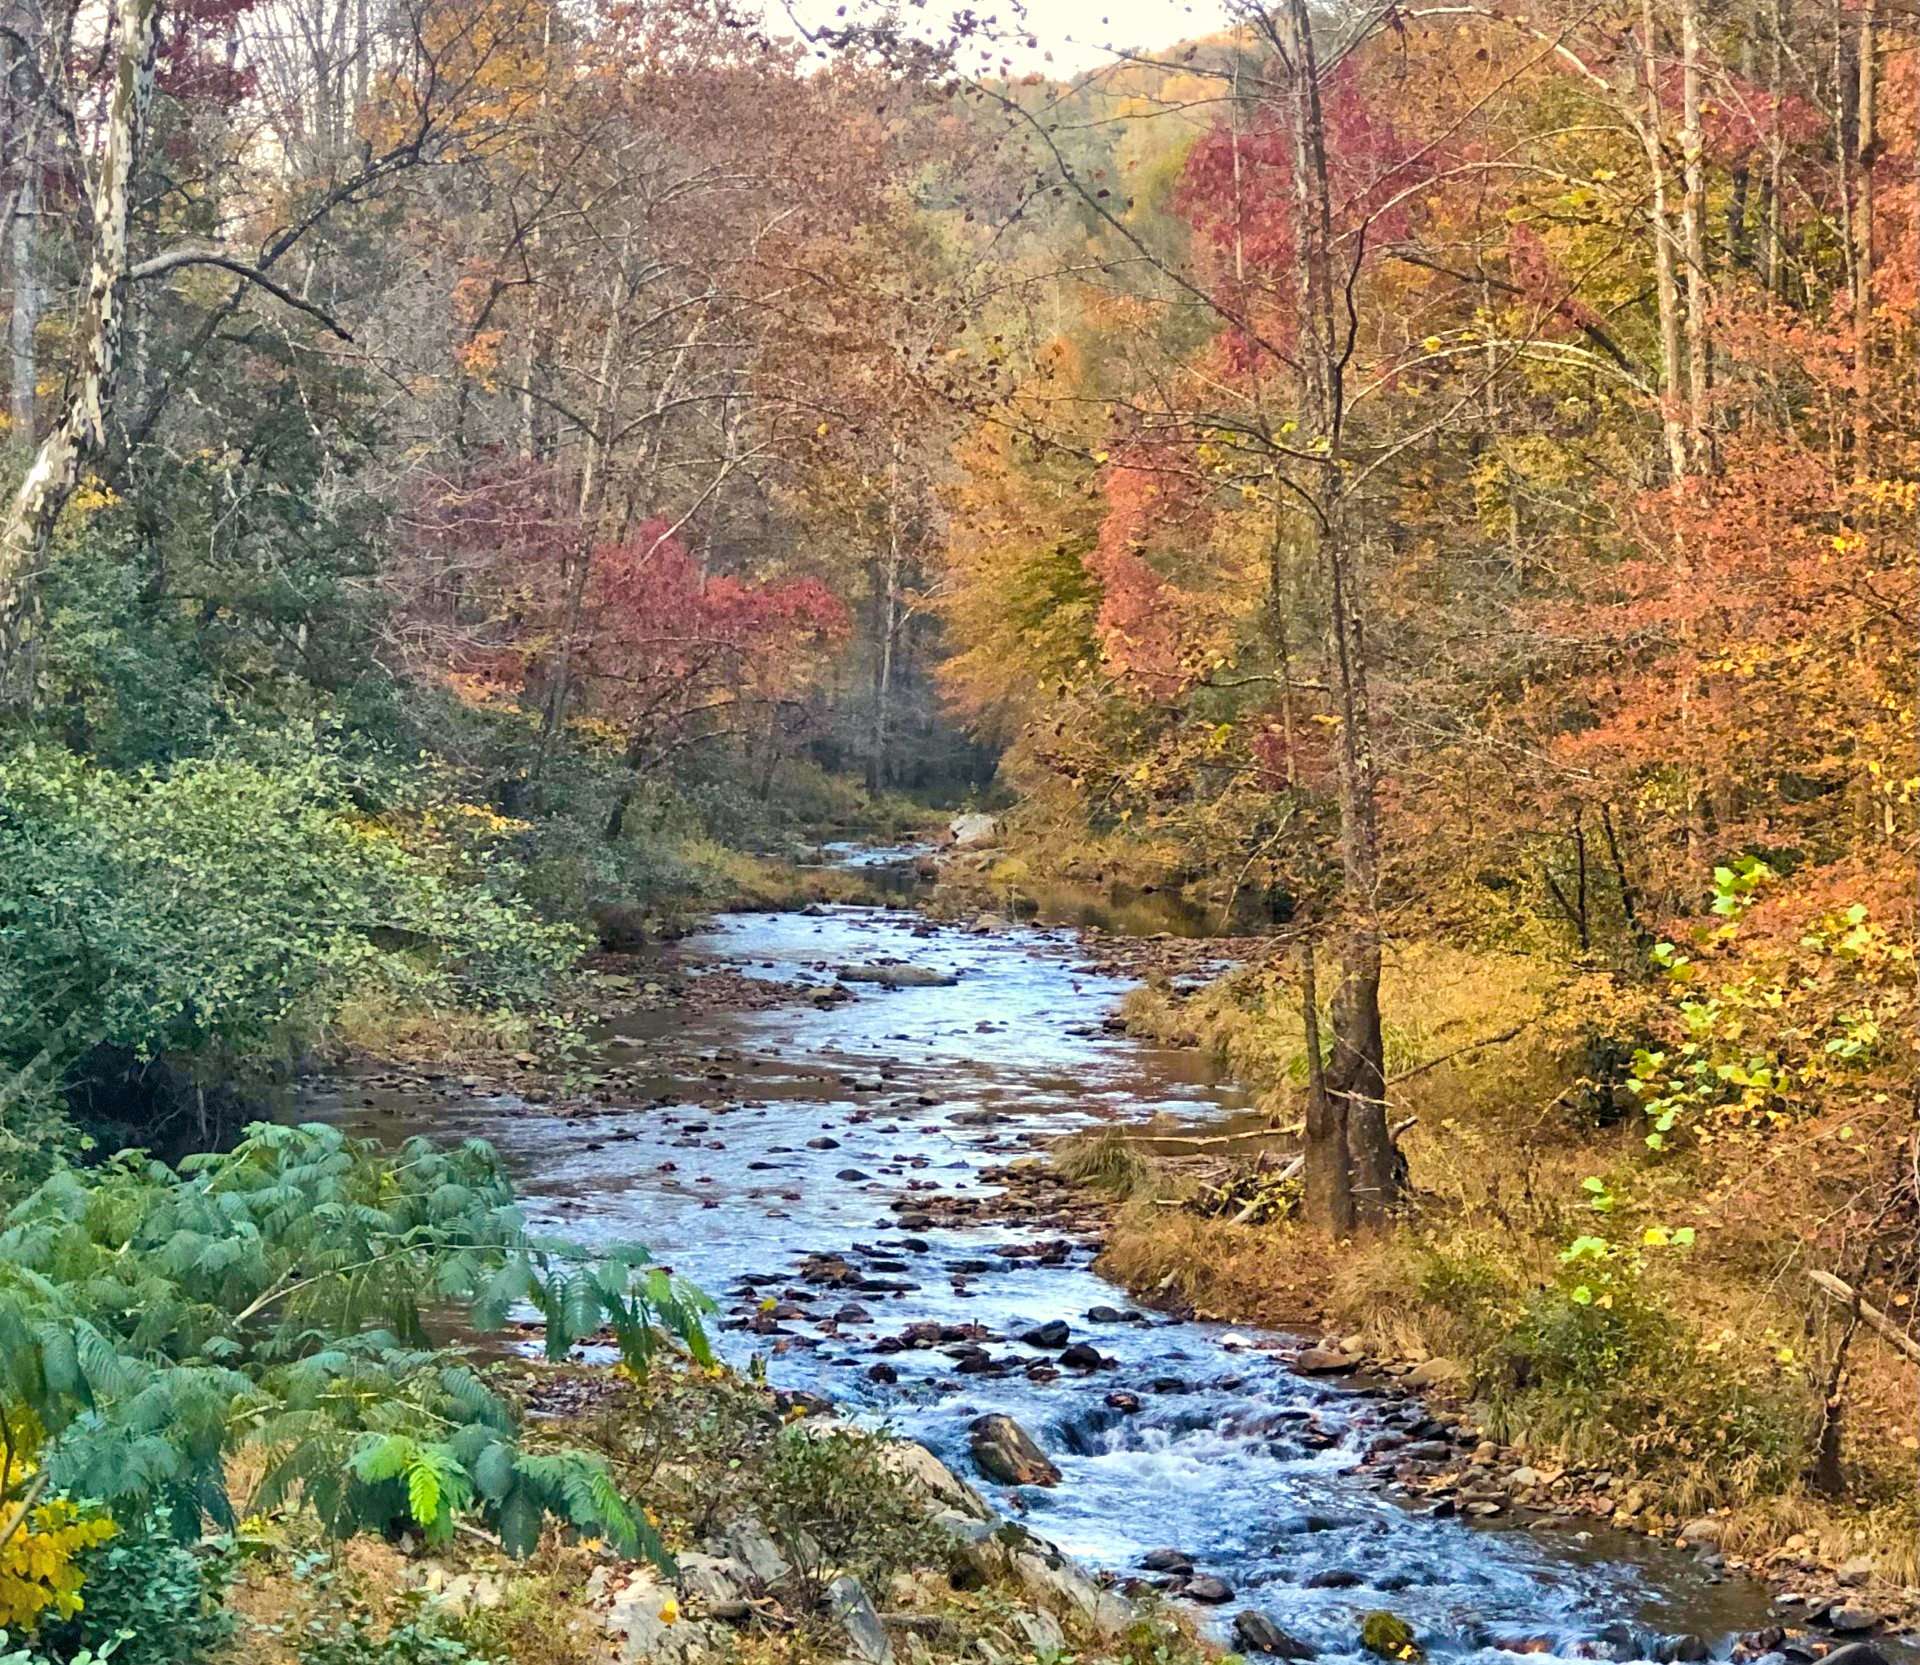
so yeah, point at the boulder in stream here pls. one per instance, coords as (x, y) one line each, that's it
(898, 976)
(969, 832)
(1389, 1636)
(1256, 1633)
(1051, 1335)
(1008, 1453)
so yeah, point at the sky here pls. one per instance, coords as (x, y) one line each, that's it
(1070, 35)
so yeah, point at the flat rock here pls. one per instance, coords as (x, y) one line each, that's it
(866, 1635)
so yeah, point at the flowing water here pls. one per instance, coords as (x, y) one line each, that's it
(762, 1137)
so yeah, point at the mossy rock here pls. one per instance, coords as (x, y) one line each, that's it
(1389, 1636)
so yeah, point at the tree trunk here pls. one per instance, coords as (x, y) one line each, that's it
(81, 431)
(29, 298)
(1863, 210)
(1328, 1166)
(889, 631)
(1665, 280)
(1693, 225)
(1352, 1092)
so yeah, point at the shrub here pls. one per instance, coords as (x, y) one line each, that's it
(211, 910)
(356, 1641)
(154, 1321)
(834, 1506)
(148, 1599)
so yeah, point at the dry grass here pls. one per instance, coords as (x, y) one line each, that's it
(1448, 1010)
(736, 880)
(1106, 1160)
(378, 1025)
(1245, 1274)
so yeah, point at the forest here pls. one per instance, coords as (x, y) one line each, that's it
(1393, 525)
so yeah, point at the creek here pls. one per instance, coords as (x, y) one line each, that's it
(750, 1140)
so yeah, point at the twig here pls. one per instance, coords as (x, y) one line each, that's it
(1245, 1216)
(1876, 1320)
(1500, 1039)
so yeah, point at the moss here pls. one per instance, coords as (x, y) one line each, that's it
(1389, 1636)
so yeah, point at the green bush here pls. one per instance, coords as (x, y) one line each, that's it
(150, 1600)
(210, 911)
(834, 1506)
(154, 1322)
(355, 1641)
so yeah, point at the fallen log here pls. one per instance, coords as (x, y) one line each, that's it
(1881, 1322)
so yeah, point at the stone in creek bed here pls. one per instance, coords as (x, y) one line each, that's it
(1325, 1361)
(851, 1174)
(1167, 1561)
(1169, 1384)
(1257, 1633)
(1080, 1356)
(1121, 1400)
(823, 1143)
(1856, 1653)
(1850, 1617)
(853, 1313)
(1206, 1588)
(1052, 1335)
(1006, 1452)
(882, 1373)
(1335, 1578)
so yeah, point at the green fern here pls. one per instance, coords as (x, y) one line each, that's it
(153, 1320)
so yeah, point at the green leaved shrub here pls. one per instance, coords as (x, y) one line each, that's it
(154, 1321)
(159, 927)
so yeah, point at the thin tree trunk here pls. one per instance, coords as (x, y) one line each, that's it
(80, 433)
(1665, 280)
(29, 297)
(1863, 211)
(1693, 224)
(889, 621)
(1776, 266)
(1354, 1090)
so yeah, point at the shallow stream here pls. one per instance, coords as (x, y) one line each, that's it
(767, 1136)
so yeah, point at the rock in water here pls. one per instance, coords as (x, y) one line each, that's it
(1206, 1588)
(1856, 1653)
(1389, 1636)
(1008, 1453)
(1052, 1335)
(1167, 1561)
(1325, 1361)
(1257, 1633)
(898, 976)
(1851, 1617)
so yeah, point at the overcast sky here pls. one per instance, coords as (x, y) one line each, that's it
(1070, 35)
